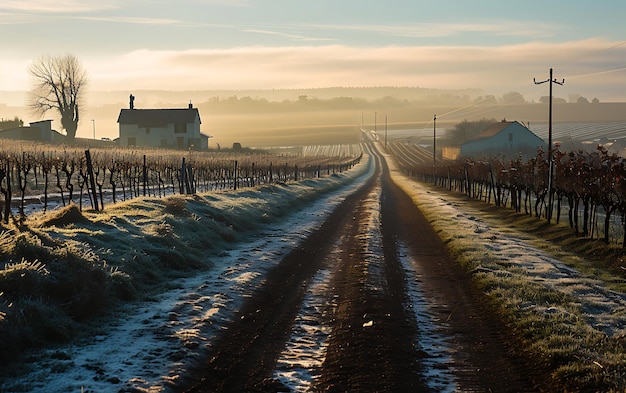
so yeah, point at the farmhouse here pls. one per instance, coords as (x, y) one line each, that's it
(504, 139)
(39, 131)
(167, 128)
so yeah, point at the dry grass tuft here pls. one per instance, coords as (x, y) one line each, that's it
(65, 217)
(176, 205)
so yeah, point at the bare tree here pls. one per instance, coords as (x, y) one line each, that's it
(58, 83)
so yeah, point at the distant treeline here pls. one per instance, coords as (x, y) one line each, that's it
(310, 102)
(168, 98)
(302, 103)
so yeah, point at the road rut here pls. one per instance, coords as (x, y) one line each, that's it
(374, 339)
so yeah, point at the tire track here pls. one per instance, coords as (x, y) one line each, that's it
(485, 353)
(244, 357)
(349, 280)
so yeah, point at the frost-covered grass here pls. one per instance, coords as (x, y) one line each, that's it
(568, 308)
(62, 270)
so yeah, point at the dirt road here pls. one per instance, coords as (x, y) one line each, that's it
(374, 247)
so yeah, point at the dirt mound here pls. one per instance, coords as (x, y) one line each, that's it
(68, 215)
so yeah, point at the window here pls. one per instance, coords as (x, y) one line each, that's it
(180, 128)
(147, 130)
(510, 137)
(132, 141)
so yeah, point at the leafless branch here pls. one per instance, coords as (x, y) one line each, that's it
(58, 84)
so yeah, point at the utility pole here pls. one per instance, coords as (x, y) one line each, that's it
(385, 131)
(434, 148)
(550, 157)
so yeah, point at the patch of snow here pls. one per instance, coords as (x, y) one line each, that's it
(437, 372)
(149, 346)
(508, 254)
(305, 350)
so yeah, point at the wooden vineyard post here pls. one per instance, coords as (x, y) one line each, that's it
(6, 174)
(9, 195)
(144, 175)
(92, 180)
(253, 175)
(189, 188)
(183, 176)
(496, 196)
(271, 174)
(235, 176)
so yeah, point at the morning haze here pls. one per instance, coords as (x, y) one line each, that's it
(329, 269)
(287, 117)
(450, 56)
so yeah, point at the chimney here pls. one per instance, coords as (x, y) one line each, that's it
(190, 105)
(132, 101)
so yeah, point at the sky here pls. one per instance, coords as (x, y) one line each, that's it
(498, 46)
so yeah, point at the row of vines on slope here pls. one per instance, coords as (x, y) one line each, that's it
(592, 184)
(72, 174)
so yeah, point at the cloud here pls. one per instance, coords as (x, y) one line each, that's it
(590, 67)
(290, 36)
(133, 20)
(500, 68)
(55, 6)
(437, 30)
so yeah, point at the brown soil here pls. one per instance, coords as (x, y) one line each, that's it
(380, 358)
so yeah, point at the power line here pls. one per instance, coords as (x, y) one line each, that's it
(473, 105)
(596, 52)
(621, 68)
(476, 103)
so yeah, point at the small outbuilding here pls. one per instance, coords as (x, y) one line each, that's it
(38, 131)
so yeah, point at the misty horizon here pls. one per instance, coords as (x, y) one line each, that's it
(263, 118)
(170, 54)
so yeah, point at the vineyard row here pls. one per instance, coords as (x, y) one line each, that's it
(590, 186)
(100, 175)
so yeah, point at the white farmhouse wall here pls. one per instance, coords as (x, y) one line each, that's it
(511, 141)
(162, 128)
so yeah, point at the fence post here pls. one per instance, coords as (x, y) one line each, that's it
(7, 193)
(183, 176)
(235, 175)
(189, 187)
(253, 175)
(271, 173)
(145, 175)
(92, 180)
